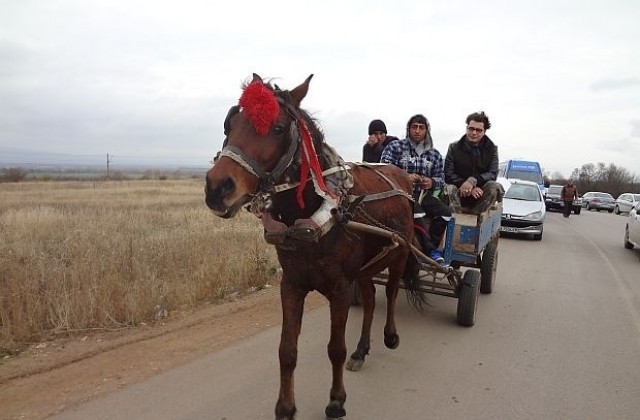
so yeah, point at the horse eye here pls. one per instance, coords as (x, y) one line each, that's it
(278, 129)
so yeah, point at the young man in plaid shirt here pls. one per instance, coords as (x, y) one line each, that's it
(425, 167)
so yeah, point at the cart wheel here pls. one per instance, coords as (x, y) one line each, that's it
(627, 244)
(488, 267)
(468, 298)
(356, 294)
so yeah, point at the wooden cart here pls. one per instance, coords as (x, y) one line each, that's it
(471, 241)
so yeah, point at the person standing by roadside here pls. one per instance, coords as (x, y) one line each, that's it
(471, 168)
(377, 141)
(567, 195)
(424, 165)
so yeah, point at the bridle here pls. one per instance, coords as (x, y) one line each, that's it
(274, 181)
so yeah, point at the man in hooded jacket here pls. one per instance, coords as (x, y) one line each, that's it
(424, 164)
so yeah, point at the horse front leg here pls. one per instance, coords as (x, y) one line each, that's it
(337, 351)
(368, 306)
(292, 308)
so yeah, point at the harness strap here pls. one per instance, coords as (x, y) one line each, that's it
(382, 195)
(288, 186)
(385, 250)
(287, 158)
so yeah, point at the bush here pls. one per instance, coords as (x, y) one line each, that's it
(14, 175)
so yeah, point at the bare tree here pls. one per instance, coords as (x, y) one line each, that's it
(607, 178)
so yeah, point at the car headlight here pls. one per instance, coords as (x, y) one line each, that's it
(535, 215)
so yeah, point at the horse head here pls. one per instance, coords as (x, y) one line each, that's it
(262, 136)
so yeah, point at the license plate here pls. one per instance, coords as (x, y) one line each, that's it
(508, 229)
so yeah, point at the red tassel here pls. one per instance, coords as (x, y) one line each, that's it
(260, 106)
(309, 162)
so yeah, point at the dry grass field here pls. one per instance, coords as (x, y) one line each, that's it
(82, 256)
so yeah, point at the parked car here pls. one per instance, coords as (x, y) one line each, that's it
(553, 201)
(598, 201)
(632, 230)
(625, 202)
(523, 209)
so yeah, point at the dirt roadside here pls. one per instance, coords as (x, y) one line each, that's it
(53, 376)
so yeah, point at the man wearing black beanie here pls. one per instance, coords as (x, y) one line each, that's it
(377, 141)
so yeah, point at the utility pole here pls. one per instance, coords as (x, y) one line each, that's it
(108, 161)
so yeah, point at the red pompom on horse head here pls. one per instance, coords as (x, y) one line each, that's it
(260, 106)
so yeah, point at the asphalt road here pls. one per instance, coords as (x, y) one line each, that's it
(558, 339)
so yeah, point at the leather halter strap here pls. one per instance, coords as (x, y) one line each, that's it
(245, 161)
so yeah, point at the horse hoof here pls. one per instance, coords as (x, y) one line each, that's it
(392, 341)
(354, 365)
(285, 413)
(335, 410)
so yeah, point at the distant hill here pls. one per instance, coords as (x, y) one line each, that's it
(34, 160)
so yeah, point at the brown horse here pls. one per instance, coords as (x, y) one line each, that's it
(275, 162)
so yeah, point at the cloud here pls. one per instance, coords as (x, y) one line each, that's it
(635, 129)
(615, 84)
(157, 78)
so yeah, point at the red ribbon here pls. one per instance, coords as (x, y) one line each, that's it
(309, 162)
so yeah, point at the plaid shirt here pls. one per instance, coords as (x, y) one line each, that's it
(402, 153)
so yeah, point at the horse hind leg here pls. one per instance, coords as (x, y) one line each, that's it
(356, 360)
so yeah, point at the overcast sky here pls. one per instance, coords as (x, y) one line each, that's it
(560, 80)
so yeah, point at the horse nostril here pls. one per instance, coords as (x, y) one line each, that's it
(227, 187)
(214, 195)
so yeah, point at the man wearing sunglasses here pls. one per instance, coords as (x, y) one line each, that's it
(425, 166)
(471, 168)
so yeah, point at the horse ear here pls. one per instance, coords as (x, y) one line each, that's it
(256, 78)
(300, 92)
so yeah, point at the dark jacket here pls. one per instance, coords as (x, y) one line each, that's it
(569, 192)
(373, 154)
(464, 160)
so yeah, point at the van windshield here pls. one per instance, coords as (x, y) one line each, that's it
(527, 176)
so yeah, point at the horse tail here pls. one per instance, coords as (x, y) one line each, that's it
(411, 279)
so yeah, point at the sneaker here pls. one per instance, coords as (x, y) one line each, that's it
(436, 255)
